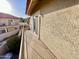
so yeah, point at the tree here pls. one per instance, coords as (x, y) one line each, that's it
(22, 20)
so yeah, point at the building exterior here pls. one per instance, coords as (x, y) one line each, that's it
(6, 19)
(54, 24)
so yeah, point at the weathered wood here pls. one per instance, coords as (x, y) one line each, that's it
(8, 34)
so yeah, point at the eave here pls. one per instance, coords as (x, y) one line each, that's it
(30, 5)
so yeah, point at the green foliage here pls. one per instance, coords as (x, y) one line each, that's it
(22, 20)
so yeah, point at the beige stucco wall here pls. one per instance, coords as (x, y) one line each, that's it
(35, 48)
(55, 5)
(4, 20)
(31, 24)
(47, 6)
(60, 28)
(7, 20)
(60, 32)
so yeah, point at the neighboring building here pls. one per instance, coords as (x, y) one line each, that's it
(6, 19)
(56, 24)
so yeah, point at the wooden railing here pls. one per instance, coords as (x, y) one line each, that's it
(8, 34)
(21, 53)
(23, 47)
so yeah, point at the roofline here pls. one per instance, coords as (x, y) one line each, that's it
(30, 6)
(27, 5)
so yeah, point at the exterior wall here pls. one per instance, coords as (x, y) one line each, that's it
(60, 27)
(60, 32)
(35, 48)
(7, 21)
(4, 20)
(16, 20)
(31, 24)
(47, 6)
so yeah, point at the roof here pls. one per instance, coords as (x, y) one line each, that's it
(30, 6)
(28, 2)
(4, 15)
(35, 5)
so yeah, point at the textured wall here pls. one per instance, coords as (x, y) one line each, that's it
(36, 49)
(60, 32)
(60, 27)
(7, 20)
(48, 6)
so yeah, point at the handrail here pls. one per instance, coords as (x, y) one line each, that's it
(22, 45)
(8, 34)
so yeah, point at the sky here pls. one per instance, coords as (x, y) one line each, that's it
(14, 7)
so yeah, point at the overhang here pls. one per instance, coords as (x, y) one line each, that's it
(30, 5)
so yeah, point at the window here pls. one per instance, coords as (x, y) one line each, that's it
(35, 24)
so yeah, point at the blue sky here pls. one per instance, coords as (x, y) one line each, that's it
(14, 7)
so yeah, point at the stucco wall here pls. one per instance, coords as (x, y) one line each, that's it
(36, 49)
(31, 24)
(7, 21)
(60, 27)
(60, 32)
(48, 6)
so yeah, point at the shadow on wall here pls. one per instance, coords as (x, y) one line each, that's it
(47, 6)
